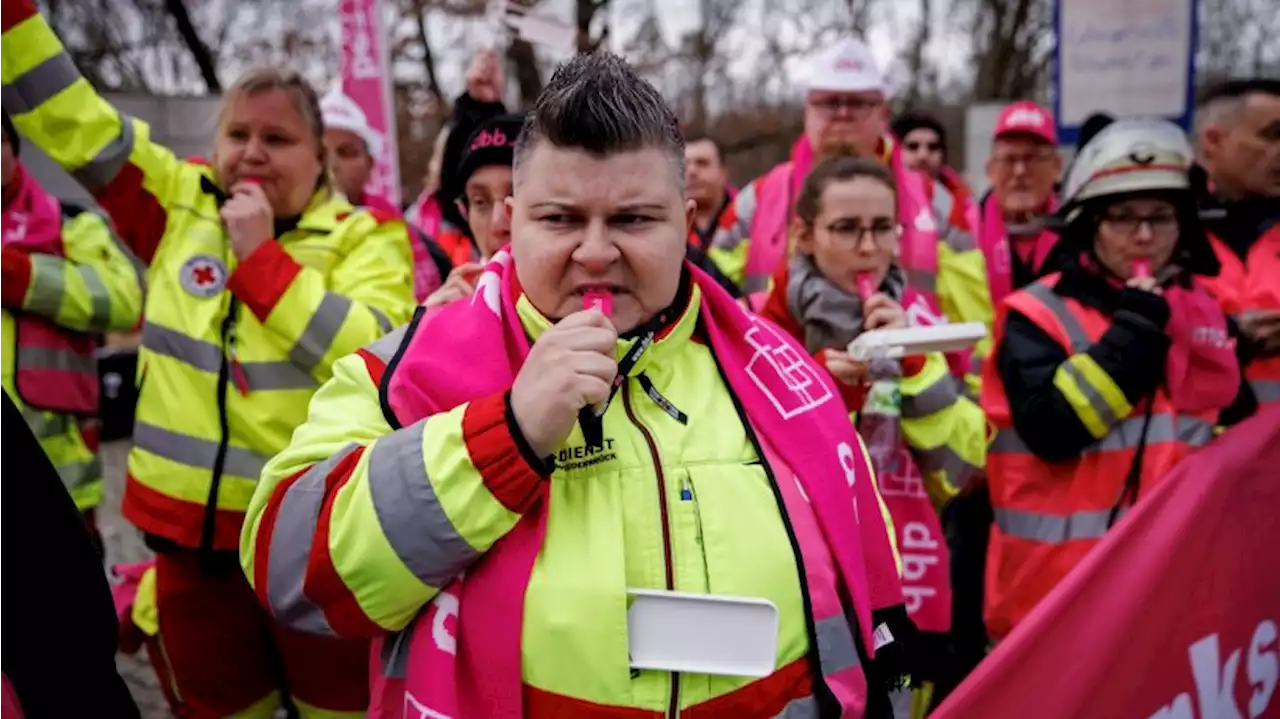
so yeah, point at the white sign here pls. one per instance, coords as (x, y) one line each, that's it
(1130, 58)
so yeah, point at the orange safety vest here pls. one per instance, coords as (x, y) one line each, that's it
(1049, 515)
(1252, 285)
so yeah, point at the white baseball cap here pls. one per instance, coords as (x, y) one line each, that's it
(847, 66)
(340, 112)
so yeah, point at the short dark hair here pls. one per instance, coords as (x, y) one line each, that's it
(839, 168)
(1238, 88)
(701, 137)
(908, 122)
(597, 103)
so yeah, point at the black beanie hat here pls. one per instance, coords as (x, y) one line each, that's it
(11, 134)
(907, 122)
(492, 143)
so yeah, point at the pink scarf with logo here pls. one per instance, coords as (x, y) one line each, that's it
(993, 239)
(471, 667)
(32, 217)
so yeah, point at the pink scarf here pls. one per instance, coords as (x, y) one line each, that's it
(478, 674)
(996, 249)
(32, 217)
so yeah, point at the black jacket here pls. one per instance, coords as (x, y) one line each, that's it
(60, 629)
(1132, 351)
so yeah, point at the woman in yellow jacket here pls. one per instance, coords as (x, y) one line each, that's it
(65, 278)
(258, 278)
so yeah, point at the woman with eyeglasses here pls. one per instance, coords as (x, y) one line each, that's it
(1107, 372)
(925, 439)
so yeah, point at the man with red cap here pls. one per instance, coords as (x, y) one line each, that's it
(1022, 170)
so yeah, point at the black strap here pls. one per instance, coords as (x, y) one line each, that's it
(647, 385)
(590, 418)
(1132, 481)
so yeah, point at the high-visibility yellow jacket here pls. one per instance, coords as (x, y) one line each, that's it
(356, 526)
(93, 287)
(232, 350)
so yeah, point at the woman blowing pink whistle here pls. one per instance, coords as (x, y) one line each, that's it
(604, 422)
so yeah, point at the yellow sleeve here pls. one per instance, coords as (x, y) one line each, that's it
(963, 292)
(327, 317)
(106, 151)
(397, 513)
(946, 432)
(731, 241)
(94, 288)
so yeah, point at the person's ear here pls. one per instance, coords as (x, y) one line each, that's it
(690, 215)
(802, 236)
(508, 205)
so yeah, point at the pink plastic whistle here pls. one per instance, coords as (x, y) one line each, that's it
(1142, 269)
(600, 300)
(866, 285)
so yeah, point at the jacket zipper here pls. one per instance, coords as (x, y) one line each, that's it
(673, 709)
(207, 530)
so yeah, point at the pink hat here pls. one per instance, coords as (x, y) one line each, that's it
(1026, 117)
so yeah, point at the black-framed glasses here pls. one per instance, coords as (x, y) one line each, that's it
(858, 107)
(926, 146)
(1127, 223)
(851, 234)
(1035, 160)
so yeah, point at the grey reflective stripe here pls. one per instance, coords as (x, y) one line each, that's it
(959, 240)
(263, 376)
(836, 648)
(409, 513)
(321, 330)
(1124, 435)
(385, 347)
(802, 708)
(202, 355)
(935, 398)
(78, 474)
(923, 280)
(99, 299)
(291, 539)
(196, 452)
(755, 283)
(1266, 390)
(744, 205)
(47, 287)
(1052, 528)
(1075, 332)
(944, 459)
(46, 424)
(39, 84)
(383, 322)
(56, 360)
(1091, 393)
(207, 357)
(395, 652)
(975, 363)
(103, 167)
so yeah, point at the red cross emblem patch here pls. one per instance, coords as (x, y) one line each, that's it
(203, 276)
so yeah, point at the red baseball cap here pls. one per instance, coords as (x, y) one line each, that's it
(1027, 118)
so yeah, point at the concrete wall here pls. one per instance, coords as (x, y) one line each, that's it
(183, 124)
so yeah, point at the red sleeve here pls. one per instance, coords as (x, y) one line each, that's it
(261, 279)
(501, 456)
(17, 277)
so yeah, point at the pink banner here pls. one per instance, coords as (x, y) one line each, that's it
(1173, 616)
(366, 78)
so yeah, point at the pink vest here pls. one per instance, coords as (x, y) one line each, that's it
(54, 369)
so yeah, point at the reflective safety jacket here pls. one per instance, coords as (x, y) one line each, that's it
(88, 285)
(1251, 285)
(232, 350)
(1051, 511)
(675, 495)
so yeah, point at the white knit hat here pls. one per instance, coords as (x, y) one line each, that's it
(340, 112)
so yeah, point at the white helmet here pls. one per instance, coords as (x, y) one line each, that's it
(1127, 156)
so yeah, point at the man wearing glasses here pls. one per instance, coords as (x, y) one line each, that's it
(1023, 168)
(846, 113)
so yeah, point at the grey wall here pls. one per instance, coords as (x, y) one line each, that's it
(183, 124)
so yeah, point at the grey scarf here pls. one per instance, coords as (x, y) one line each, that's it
(831, 317)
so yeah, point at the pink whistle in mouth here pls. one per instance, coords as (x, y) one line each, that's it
(866, 285)
(600, 300)
(1142, 269)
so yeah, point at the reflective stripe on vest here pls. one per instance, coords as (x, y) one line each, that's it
(1124, 435)
(1266, 390)
(196, 452)
(207, 357)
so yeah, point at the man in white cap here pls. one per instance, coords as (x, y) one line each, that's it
(846, 113)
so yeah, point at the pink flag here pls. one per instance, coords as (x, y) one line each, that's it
(1173, 616)
(366, 78)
